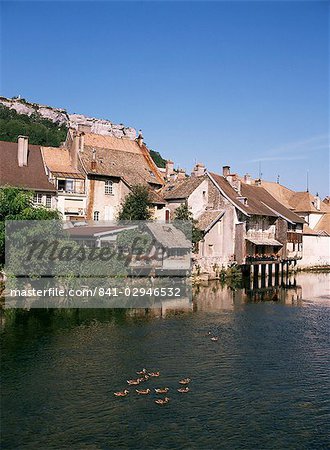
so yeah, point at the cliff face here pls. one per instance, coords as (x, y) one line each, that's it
(62, 117)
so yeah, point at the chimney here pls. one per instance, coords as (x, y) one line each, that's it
(75, 149)
(93, 162)
(236, 184)
(198, 170)
(22, 150)
(247, 179)
(139, 139)
(317, 202)
(82, 142)
(181, 174)
(258, 182)
(169, 169)
(225, 171)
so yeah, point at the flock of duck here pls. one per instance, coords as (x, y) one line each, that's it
(145, 375)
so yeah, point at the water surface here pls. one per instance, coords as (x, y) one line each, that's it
(263, 385)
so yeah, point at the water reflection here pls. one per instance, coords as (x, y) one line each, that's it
(298, 290)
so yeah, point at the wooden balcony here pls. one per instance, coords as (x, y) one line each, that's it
(294, 238)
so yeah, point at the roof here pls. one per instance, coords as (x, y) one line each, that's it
(208, 218)
(121, 158)
(58, 161)
(74, 175)
(280, 192)
(323, 224)
(181, 189)
(32, 176)
(91, 231)
(168, 235)
(156, 197)
(259, 201)
(264, 241)
(304, 202)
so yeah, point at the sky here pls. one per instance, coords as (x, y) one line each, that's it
(244, 84)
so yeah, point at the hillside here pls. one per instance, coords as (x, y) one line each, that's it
(48, 126)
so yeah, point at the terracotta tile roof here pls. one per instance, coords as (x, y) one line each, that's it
(259, 198)
(304, 202)
(58, 160)
(259, 201)
(208, 218)
(156, 197)
(32, 176)
(297, 201)
(122, 158)
(280, 192)
(323, 224)
(111, 142)
(181, 189)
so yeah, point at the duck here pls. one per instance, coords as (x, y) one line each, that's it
(133, 382)
(162, 401)
(154, 374)
(121, 393)
(183, 390)
(142, 372)
(162, 390)
(185, 381)
(214, 338)
(143, 391)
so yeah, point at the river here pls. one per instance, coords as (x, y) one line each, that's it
(263, 385)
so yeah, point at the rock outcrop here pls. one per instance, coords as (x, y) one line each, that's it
(61, 116)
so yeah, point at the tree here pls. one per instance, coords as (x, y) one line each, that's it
(136, 205)
(182, 213)
(158, 159)
(17, 204)
(40, 131)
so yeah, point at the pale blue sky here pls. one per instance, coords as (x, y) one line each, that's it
(218, 82)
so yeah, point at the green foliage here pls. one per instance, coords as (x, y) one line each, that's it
(158, 159)
(40, 131)
(17, 204)
(182, 213)
(136, 205)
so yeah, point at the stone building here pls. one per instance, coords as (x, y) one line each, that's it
(241, 223)
(112, 166)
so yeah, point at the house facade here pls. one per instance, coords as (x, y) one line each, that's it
(316, 230)
(241, 223)
(68, 181)
(111, 167)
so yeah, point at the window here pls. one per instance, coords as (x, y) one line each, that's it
(48, 201)
(37, 199)
(65, 185)
(108, 188)
(96, 215)
(61, 185)
(69, 186)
